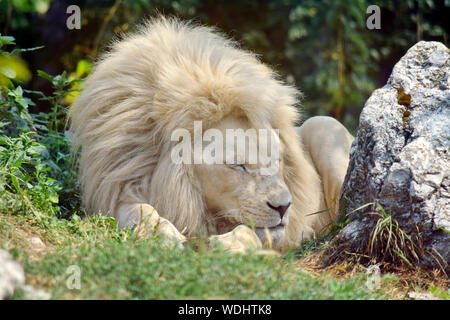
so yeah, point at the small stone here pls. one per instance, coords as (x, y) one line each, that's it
(421, 296)
(35, 294)
(36, 241)
(12, 276)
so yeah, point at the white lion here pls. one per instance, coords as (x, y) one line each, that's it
(169, 75)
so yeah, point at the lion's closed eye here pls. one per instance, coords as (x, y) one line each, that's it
(239, 167)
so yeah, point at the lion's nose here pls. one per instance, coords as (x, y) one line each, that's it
(281, 209)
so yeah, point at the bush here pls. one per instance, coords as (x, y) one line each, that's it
(37, 175)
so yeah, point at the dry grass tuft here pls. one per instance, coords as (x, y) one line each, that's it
(389, 243)
(386, 243)
(397, 280)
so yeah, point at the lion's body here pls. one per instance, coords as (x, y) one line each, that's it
(166, 77)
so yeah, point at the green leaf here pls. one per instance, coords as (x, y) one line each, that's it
(53, 198)
(7, 40)
(19, 158)
(45, 75)
(15, 51)
(112, 221)
(83, 68)
(15, 183)
(362, 207)
(37, 150)
(18, 92)
(8, 72)
(382, 210)
(320, 211)
(402, 256)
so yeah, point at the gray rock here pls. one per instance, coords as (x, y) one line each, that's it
(401, 158)
(12, 276)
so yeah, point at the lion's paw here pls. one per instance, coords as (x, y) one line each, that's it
(239, 240)
(151, 223)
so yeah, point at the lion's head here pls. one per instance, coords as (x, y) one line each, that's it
(249, 191)
(166, 77)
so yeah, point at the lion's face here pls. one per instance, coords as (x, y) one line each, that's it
(244, 194)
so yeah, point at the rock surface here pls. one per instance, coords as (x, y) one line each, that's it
(401, 157)
(12, 276)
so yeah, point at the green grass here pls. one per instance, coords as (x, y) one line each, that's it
(114, 265)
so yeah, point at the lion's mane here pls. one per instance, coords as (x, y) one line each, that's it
(164, 77)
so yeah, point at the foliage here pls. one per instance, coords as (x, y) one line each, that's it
(440, 293)
(339, 74)
(16, 11)
(146, 270)
(114, 265)
(389, 242)
(323, 47)
(12, 67)
(36, 174)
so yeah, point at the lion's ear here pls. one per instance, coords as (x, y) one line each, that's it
(176, 196)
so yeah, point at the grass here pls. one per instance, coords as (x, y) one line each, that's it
(390, 242)
(114, 265)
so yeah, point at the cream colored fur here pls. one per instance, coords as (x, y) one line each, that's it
(165, 77)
